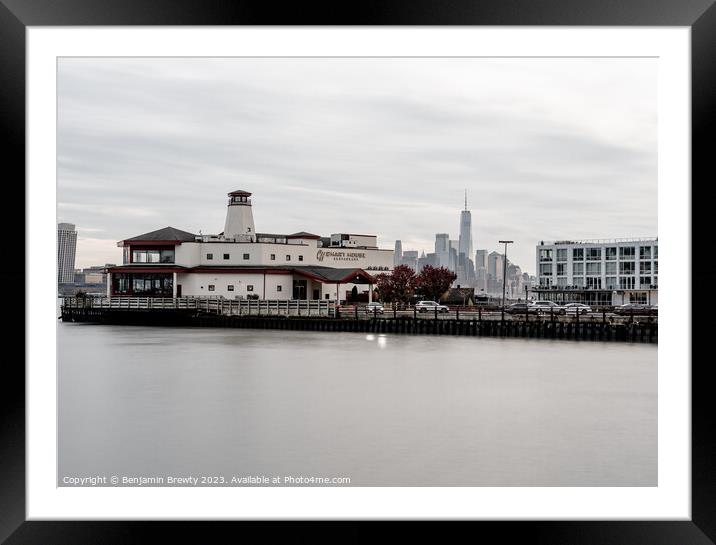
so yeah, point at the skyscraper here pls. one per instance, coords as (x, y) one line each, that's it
(465, 239)
(442, 249)
(465, 267)
(398, 253)
(481, 270)
(410, 258)
(66, 247)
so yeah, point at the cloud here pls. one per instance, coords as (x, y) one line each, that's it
(547, 148)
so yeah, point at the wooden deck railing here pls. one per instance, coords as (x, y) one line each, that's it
(214, 305)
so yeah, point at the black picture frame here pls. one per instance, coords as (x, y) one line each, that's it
(699, 15)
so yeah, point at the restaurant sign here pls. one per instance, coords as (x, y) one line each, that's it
(335, 255)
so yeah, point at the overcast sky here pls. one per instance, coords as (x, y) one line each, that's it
(547, 148)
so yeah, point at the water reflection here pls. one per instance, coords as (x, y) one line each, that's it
(385, 410)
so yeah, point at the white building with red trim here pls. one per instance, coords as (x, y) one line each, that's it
(241, 263)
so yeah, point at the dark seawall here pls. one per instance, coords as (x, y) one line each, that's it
(637, 331)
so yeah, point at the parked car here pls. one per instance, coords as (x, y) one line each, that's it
(546, 307)
(520, 308)
(374, 308)
(425, 306)
(573, 309)
(636, 309)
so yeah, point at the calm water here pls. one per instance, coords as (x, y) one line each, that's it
(383, 410)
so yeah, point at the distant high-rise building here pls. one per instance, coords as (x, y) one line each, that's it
(481, 259)
(398, 253)
(429, 259)
(495, 274)
(481, 270)
(453, 255)
(465, 240)
(66, 248)
(442, 249)
(464, 266)
(410, 258)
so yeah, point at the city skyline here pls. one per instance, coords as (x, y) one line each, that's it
(547, 148)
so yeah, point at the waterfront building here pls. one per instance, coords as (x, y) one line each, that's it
(599, 271)
(243, 263)
(66, 248)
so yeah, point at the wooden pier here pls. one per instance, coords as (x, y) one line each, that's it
(322, 316)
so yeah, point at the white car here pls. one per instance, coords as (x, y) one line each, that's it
(425, 306)
(374, 308)
(546, 307)
(576, 308)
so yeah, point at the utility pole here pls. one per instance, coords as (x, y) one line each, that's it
(504, 274)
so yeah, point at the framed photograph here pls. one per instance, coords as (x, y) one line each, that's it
(399, 267)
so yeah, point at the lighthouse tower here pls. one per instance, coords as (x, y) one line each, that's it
(239, 218)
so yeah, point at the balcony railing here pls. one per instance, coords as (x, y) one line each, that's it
(213, 305)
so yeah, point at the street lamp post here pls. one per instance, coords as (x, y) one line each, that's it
(504, 275)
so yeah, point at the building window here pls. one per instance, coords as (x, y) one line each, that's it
(211, 287)
(328, 296)
(209, 256)
(561, 269)
(545, 269)
(279, 288)
(626, 268)
(626, 282)
(249, 288)
(577, 268)
(300, 258)
(577, 254)
(611, 282)
(230, 287)
(578, 281)
(611, 253)
(645, 267)
(656, 252)
(594, 254)
(594, 282)
(595, 269)
(645, 252)
(626, 252)
(656, 267)
(645, 281)
(153, 256)
(562, 254)
(246, 256)
(562, 281)
(610, 268)
(640, 298)
(288, 258)
(545, 255)
(273, 257)
(226, 256)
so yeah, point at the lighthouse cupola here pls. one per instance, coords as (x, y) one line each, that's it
(239, 218)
